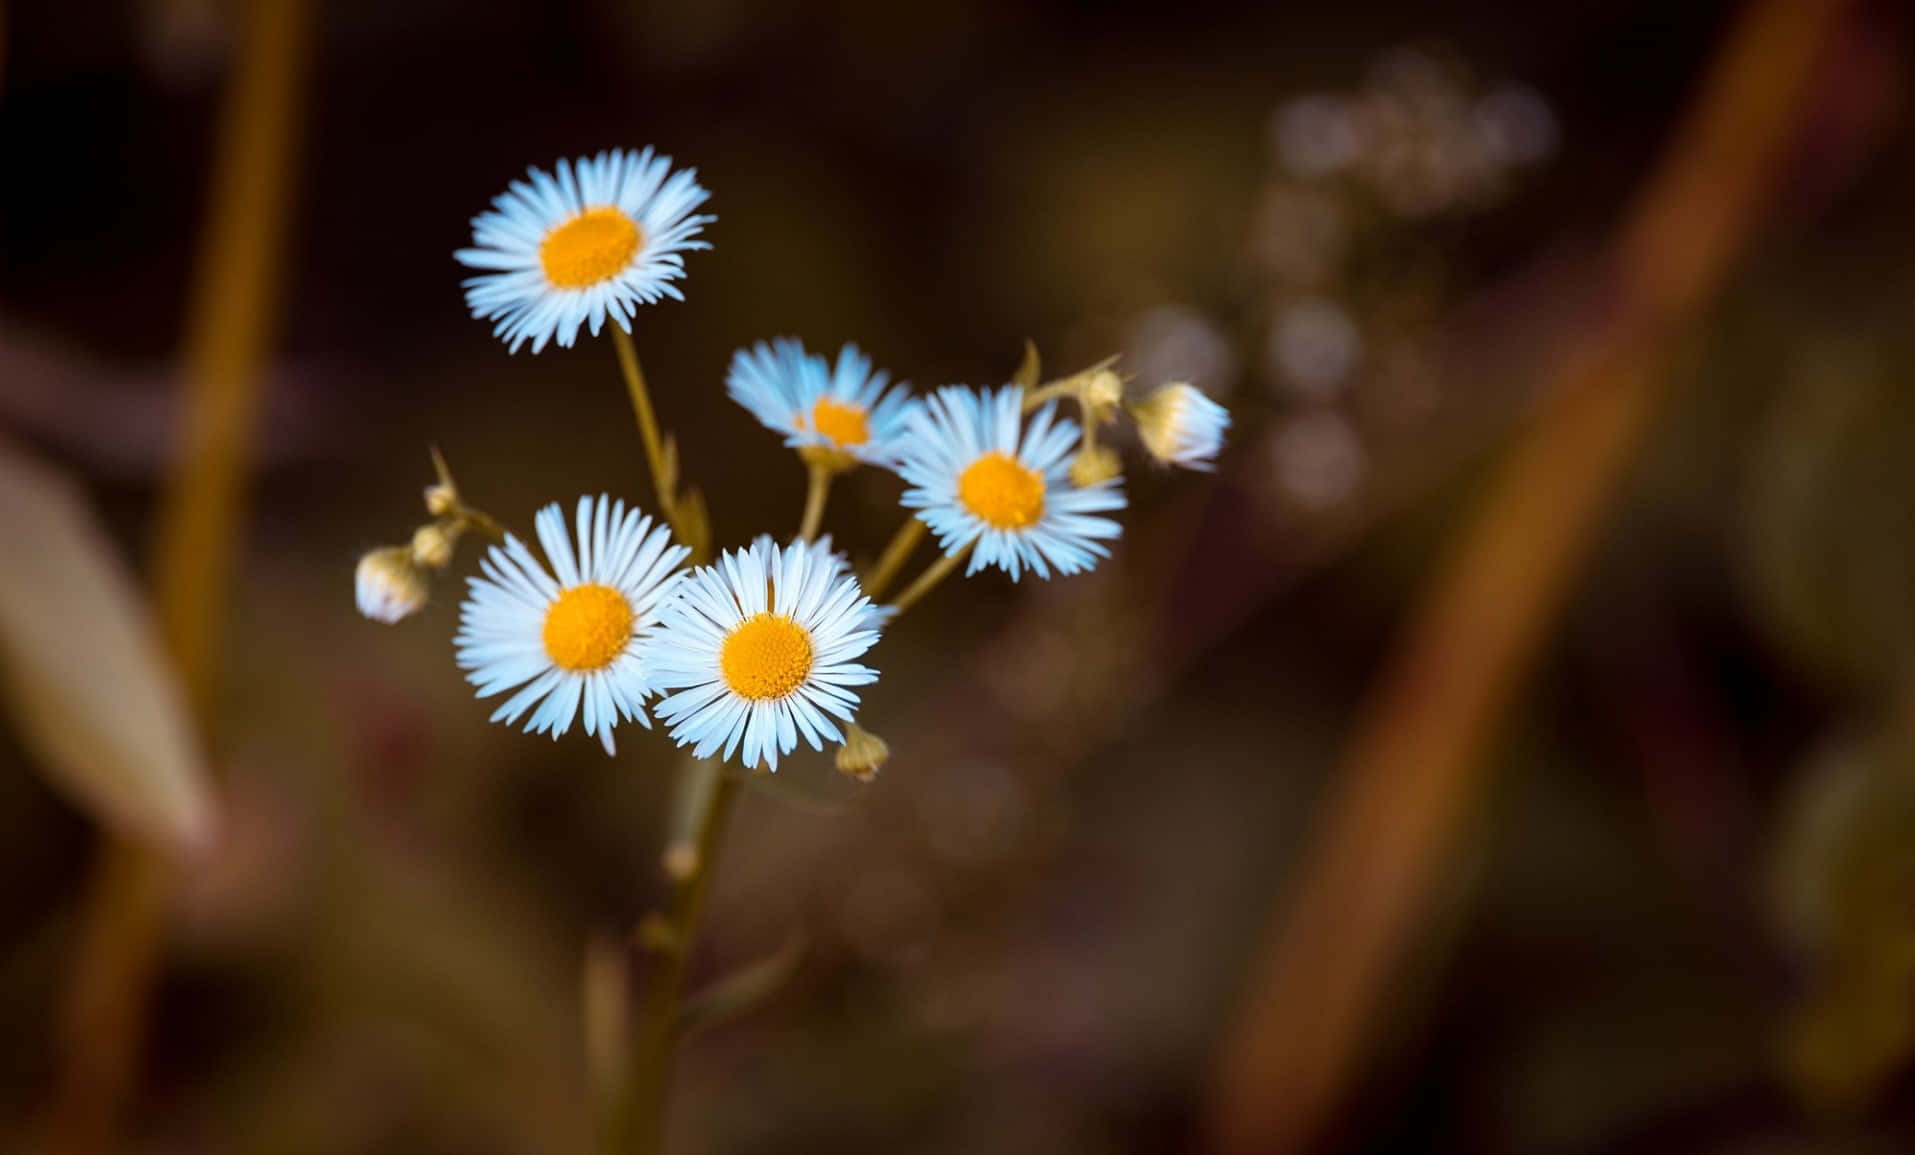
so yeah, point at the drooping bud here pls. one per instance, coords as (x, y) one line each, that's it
(862, 754)
(389, 585)
(1180, 426)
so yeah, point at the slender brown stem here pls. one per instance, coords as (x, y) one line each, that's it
(662, 484)
(1035, 397)
(817, 488)
(637, 1124)
(1420, 761)
(928, 580)
(227, 341)
(893, 558)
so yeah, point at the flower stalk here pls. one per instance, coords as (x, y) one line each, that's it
(637, 1121)
(817, 489)
(664, 479)
(927, 581)
(895, 554)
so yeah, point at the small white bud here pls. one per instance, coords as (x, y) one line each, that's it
(1180, 426)
(389, 585)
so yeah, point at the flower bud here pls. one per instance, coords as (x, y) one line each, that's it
(441, 499)
(432, 544)
(862, 753)
(1096, 463)
(389, 585)
(1102, 391)
(1180, 426)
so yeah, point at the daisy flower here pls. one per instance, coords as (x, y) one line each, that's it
(759, 647)
(598, 237)
(1180, 426)
(844, 412)
(579, 632)
(979, 474)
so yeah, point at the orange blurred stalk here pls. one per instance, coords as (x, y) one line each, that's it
(1417, 762)
(230, 329)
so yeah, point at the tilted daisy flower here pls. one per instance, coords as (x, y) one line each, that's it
(843, 414)
(578, 633)
(1180, 426)
(597, 237)
(979, 474)
(760, 647)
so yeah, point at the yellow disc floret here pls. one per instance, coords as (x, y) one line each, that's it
(844, 424)
(1005, 494)
(766, 657)
(593, 246)
(587, 628)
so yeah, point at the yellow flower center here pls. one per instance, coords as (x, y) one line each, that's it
(1003, 493)
(588, 627)
(591, 247)
(844, 424)
(766, 657)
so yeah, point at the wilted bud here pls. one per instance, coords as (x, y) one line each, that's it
(389, 585)
(432, 544)
(1181, 426)
(1096, 463)
(862, 753)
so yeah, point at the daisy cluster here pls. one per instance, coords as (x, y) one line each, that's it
(746, 655)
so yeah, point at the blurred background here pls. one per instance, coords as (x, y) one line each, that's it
(1510, 748)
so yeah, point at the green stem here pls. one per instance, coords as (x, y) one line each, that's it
(817, 489)
(647, 420)
(637, 1126)
(928, 580)
(895, 555)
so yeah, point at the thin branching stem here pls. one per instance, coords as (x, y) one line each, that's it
(817, 489)
(928, 580)
(641, 396)
(895, 554)
(638, 1121)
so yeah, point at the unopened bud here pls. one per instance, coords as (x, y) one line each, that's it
(1095, 464)
(389, 585)
(1180, 426)
(432, 544)
(441, 499)
(1102, 391)
(862, 753)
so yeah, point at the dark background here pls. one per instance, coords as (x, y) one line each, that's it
(1679, 913)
